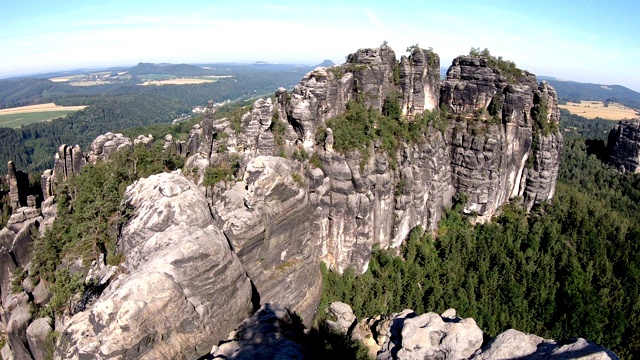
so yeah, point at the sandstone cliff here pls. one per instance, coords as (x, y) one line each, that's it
(496, 139)
(183, 287)
(624, 146)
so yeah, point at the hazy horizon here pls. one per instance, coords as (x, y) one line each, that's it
(587, 41)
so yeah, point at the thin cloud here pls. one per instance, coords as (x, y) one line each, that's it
(374, 20)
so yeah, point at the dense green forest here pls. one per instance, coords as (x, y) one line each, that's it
(570, 268)
(32, 147)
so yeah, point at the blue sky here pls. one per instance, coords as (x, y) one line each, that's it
(582, 40)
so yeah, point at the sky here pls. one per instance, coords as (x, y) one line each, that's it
(582, 40)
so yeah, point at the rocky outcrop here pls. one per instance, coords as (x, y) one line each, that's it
(145, 140)
(20, 193)
(419, 81)
(407, 335)
(107, 144)
(491, 145)
(183, 291)
(624, 146)
(68, 162)
(16, 244)
(266, 219)
(17, 308)
(14, 197)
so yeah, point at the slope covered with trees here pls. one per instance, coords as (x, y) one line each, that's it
(32, 147)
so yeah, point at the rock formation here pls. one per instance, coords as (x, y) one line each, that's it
(273, 333)
(200, 258)
(624, 146)
(266, 218)
(498, 140)
(107, 144)
(407, 335)
(183, 290)
(68, 162)
(419, 81)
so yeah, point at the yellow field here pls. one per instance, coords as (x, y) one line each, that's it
(594, 109)
(187, 81)
(39, 108)
(88, 83)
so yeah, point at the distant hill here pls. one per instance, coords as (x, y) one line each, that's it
(168, 69)
(575, 91)
(326, 63)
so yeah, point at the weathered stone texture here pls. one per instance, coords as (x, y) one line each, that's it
(107, 144)
(624, 143)
(184, 288)
(68, 162)
(420, 82)
(266, 218)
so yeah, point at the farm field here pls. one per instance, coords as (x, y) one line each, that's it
(184, 81)
(16, 117)
(594, 109)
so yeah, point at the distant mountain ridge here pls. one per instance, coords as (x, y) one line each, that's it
(168, 69)
(575, 91)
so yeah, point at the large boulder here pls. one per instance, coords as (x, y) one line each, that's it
(513, 344)
(40, 344)
(183, 291)
(407, 335)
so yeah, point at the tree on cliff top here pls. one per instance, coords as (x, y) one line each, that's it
(505, 67)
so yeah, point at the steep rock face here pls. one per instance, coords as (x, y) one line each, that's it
(37, 333)
(184, 288)
(361, 206)
(419, 81)
(266, 219)
(490, 154)
(14, 197)
(16, 243)
(541, 177)
(624, 146)
(324, 92)
(68, 162)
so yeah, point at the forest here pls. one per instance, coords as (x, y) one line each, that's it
(32, 147)
(570, 268)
